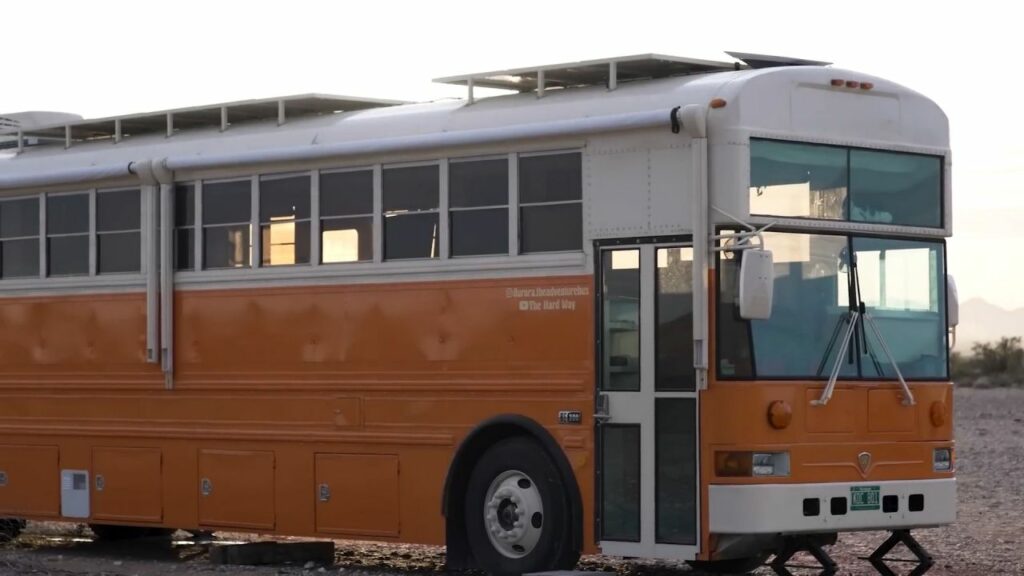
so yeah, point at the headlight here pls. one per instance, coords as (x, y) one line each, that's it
(747, 464)
(942, 460)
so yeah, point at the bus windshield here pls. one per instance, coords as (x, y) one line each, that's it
(901, 283)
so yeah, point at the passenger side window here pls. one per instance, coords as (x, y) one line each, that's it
(118, 232)
(67, 234)
(551, 203)
(346, 216)
(411, 204)
(284, 220)
(478, 199)
(227, 212)
(19, 238)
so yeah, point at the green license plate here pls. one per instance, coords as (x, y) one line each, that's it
(865, 497)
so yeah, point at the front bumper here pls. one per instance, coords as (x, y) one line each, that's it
(781, 508)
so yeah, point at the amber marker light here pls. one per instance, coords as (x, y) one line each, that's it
(837, 82)
(866, 85)
(718, 103)
(780, 414)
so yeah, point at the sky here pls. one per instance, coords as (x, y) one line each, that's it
(102, 58)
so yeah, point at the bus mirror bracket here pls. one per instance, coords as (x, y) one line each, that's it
(757, 279)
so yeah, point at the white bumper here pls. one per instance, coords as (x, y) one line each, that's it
(779, 508)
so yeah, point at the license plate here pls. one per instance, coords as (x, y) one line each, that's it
(865, 497)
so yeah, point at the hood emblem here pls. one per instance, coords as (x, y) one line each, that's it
(864, 461)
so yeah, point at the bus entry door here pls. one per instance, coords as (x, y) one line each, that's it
(647, 470)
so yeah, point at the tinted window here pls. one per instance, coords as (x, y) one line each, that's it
(346, 193)
(797, 180)
(673, 369)
(411, 189)
(478, 183)
(476, 232)
(411, 198)
(184, 253)
(227, 202)
(226, 246)
(19, 218)
(19, 258)
(184, 221)
(118, 252)
(550, 178)
(117, 210)
(836, 183)
(895, 188)
(285, 243)
(184, 205)
(67, 214)
(551, 228)
(410, 236)
(68, 255)
(284, 198)
(620, 320)
(346, 239)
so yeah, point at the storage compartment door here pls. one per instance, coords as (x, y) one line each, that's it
(236, 488)
(127, 484)
(357, 494)
(29, 481)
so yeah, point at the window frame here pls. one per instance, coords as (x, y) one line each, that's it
(375, 209)
(257, 203)
(97, 233)
(40, 236)
(90, 234)
(520, 204)
(508, 206)
(251, 222)
(439, 211)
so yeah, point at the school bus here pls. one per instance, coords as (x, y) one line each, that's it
(648, 306)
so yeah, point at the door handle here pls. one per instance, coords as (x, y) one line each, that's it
(602, 412)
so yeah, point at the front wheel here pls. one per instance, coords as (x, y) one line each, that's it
(517, 514)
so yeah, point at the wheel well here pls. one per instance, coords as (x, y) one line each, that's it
(485, 435)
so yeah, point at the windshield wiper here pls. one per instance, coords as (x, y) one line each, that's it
(858, 313)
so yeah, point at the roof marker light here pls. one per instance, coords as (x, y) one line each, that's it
(852, 84)
(837, 82)
(718, 103)
(866, 85)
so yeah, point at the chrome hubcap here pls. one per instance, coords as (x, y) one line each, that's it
(513, 514)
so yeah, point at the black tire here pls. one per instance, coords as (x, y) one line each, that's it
(111, 532)
(553, 550)
(731, 566)
(10, 528)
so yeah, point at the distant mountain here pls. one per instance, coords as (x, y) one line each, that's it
(982, 321)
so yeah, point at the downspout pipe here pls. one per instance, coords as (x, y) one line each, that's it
(149, 186)
(165, 177)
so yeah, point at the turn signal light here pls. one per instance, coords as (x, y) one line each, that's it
(749, 464)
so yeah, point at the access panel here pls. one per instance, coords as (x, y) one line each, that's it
(357, 494)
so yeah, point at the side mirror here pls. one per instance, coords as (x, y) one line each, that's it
(757, 280)
(952, 302)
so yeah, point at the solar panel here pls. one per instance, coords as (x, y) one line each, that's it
(769, 61)
(607, 72)
(210, 116)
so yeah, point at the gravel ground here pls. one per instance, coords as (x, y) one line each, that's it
(987, 538)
